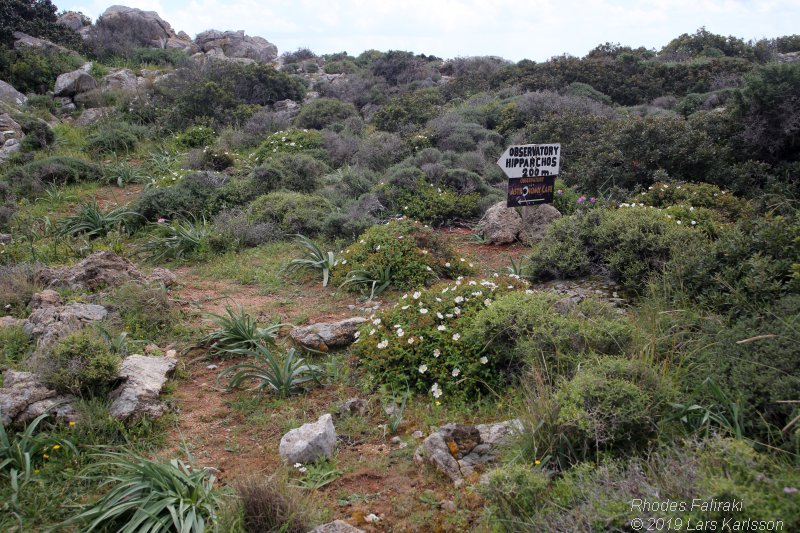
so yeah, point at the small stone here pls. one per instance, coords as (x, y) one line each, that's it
(337, 526)
(372, 518)
(418, 434)
(142, 379)
(353, 407)
(309, 442)
(396, 440)
(326, 335)
(212, 367)
(449, 506)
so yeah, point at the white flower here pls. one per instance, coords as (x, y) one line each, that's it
(429, 269)
(423, 368)
(456, 372)
(400, 332)
(458, 299)
(357, 334)
(487, 302)
(473, 282)
(462, 259)
(372, 332)
(457, 310)
(439, 315)
(423, 311)
(483, 360)
(447, 265)
(694, 222)
(436, 390)
(436, 353)
(302, 469)
(376, 322)
(416, 295)
(456, 336)
(441, 327)
(298, 465)
(405, 307)
(678, 221)
(383, 344)
(411, 340)
(377, 247)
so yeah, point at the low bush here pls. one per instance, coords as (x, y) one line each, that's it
(8, 205)
(15, 346)
(81, 364)
(381, 150)
(146, 311)
(113, 137)
(323, 112)
(31, 179)
(288, 141)
(282, 374)
(196, 137)
(421, 343)
(271, 505)
(38, 134)
(232, 230)
(547, 331)
(408, 193)
(611, 404)
(193, 196)
(662, 194)
(291, 212)
(630, 243)
(217, 159)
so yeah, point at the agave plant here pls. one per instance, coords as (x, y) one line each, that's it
(280, 374)
(92, 221)
(238, 331)
(122, 174)
(151, 496)
(178, 240)
(315, 259)
(377, 283)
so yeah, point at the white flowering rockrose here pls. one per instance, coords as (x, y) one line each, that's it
(422, 369)
(436, 353)
(456, 336)
(383, 344)
(441, 327)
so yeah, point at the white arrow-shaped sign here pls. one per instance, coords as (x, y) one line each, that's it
(525, 160)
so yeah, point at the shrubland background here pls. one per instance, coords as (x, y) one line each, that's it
(680, 182)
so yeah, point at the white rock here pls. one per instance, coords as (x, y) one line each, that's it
(309, 442)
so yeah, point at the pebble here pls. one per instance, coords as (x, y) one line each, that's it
(396, 440)
(372, 518)
(418, 434)
(212, 367)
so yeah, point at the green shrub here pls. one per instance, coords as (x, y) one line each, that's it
(631, 243)
(289, 141)
(323, 112)
(179, 240)
(523, 329)
(415, 254)
(194, 196)
(662, 194)
(217, 159)
(35, 71)
(516, 493)
(113, 137)
(425, 202)
(15, 346)
(421, 342)
(38, 135)
(146, 311)
(196, 137)
(17, 287)
(81, 364)
(295, 172)
(611, 404)
(565, 198)
(8, 205)
(344, 66)
(291, 212)
(408, 111)
(31, 179)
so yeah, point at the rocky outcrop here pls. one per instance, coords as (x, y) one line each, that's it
(309, 442)
(23, 397)
(10, 95)
(326, 335)
(98, 271)
(11, 322)
(500, 224)
(150, 28)
(459, 450)
(535, 221)
(52, 323)
(119, 80)
(337, 526)
(142, 380)
(78, 81)
(23, 40)
(10, 136)
(93, 115)
(73, 20)
(235, 44)
(46, 298)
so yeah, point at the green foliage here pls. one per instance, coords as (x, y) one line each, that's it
(15, 346)
(583, 89)
(662, 194)
(179, 240)
(217, 159)
(196, 137)
(427, 203)
(146, 311)
(409, 111)
(288, 141)
(37, 18)
(565, 198)
(422, 343)
(317, 475)
(547, 332)
(291, 171)
(81, 364)
(38, 134)
(705, 43)
(123, 174)
(23, 452)
(93, 222)
(281, 374)
(516, 493)
(238, 333)
(315, 259)
(291, 212)
(152, 496)
(114, 137)
(17, 287)
(632, 243)
(344, 66)
(611, 404)
(193, 196)
(324, 112)
(413, 253)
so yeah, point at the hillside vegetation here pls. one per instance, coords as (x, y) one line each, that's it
(640, 347)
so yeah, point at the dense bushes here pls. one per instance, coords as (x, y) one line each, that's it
(31, 179)
(191, 198)
(81, 364)
(323, 112)
(291, 212)
(35, 71)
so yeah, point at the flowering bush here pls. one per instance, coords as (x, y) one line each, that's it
(288, 141)
(413, 254)
(428, 203)
(420, 342)
(662, 194)
(195, 137)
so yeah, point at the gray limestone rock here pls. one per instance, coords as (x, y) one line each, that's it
(98, 271)
(326, 335)
(337, 526)
(309, 442)
(535, 221)
(23, 397)
(500, 224)
(10, 95)
(142, 380)
(235, 44)
(52, 323)
(75, 82)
